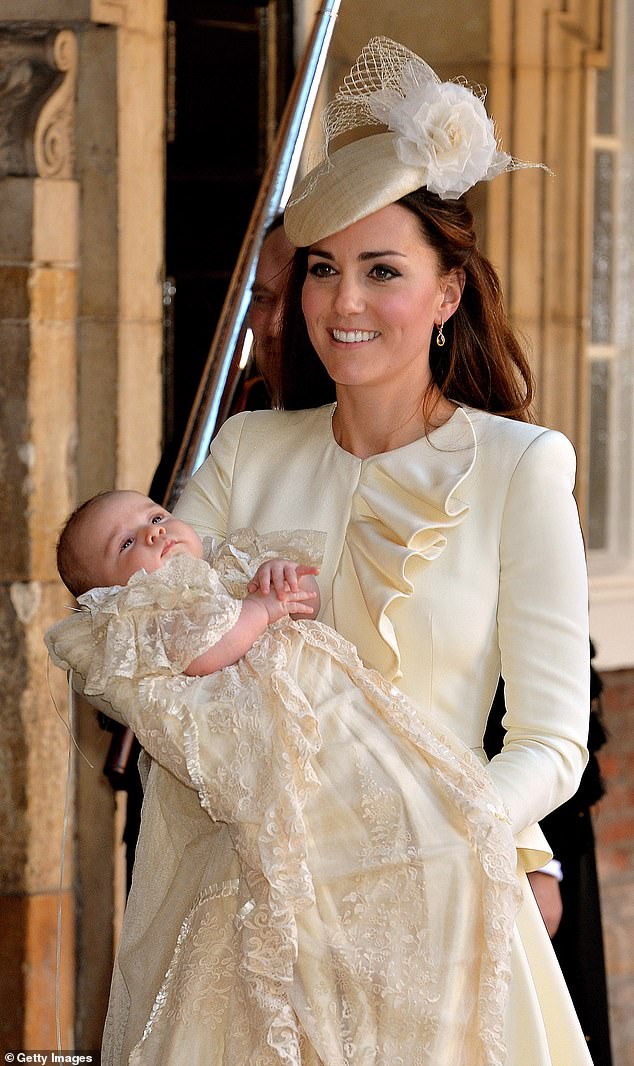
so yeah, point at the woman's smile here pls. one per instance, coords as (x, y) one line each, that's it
(354, 336)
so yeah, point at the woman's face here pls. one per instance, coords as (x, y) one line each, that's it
(371, 297)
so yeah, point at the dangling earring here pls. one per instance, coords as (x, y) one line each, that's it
(440, 336)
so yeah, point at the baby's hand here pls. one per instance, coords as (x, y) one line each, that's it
(293, 603)
(282, 575)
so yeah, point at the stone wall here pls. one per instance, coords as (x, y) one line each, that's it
(81, 232)
(38, 284)
(614, 829)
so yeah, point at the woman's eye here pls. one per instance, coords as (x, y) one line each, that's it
(383, 273)
(321, 270)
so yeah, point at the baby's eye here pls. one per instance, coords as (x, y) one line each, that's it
(159, 518)
(380, 272)
(126, 544)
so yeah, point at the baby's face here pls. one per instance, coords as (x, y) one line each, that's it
(126, 532)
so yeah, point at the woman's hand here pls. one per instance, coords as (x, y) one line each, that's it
(546, 891)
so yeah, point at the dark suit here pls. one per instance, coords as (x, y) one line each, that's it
(578, 942)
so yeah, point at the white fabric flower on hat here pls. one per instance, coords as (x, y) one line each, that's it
(444, 129)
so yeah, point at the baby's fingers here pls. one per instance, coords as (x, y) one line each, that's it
(300, 608)
(278, 579)
(284, 577)
(290, 577)
(299, 596)
(261, 580)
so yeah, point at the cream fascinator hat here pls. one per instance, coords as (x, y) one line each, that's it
(438, 136)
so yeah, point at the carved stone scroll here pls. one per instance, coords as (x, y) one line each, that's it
(110, 12)
(38, 72)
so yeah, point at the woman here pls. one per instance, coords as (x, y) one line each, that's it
(453, 550)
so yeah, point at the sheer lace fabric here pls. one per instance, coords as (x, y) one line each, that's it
(371, 917)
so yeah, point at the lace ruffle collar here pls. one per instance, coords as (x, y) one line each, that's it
(162, 588)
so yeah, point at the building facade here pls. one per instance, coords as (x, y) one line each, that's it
(94, 183)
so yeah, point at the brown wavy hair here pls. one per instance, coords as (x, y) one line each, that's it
(483, 364)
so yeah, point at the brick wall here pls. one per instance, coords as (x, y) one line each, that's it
(614, 828)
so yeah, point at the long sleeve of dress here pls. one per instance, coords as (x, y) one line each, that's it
(542, 627)
(204, 502)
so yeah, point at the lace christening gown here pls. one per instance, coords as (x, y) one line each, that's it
(322, 878)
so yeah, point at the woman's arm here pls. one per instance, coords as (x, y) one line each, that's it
(543, 635)
(205, 500)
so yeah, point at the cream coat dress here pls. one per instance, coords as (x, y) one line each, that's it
(447, 561)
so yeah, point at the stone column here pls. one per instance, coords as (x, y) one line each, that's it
(541, 58)
(119, 164)
(38, 294)
(81, 237)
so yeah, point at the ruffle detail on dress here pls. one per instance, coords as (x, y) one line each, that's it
(405, 506)
(237, 558)
(158, 622)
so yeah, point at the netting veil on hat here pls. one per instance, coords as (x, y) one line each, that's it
(439, 136)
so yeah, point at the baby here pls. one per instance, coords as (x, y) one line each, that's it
(116, 534)
(304, 905)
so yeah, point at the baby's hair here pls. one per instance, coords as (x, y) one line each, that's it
(71, 568)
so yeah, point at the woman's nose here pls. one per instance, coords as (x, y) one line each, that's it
(348, 297)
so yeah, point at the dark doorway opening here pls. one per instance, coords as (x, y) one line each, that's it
(229, 70)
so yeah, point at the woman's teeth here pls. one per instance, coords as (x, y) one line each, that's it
(354, 336)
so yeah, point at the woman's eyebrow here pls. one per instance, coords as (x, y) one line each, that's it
(379, 255)
(323, 254)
